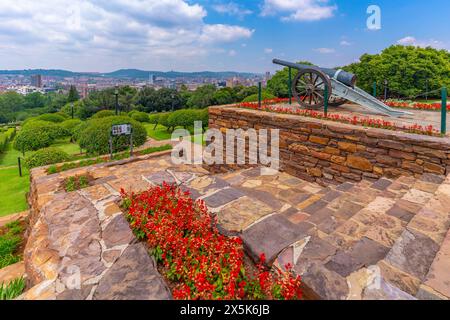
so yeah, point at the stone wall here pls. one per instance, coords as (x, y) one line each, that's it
(331, 152)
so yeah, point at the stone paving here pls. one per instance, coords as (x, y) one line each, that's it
(388, 239)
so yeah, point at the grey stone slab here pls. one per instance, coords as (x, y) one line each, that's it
(134, 276)
(433, 178)
(315, 207)
(382, 184)
(385, 291)
(159, 177)
(223, 197)
(272, 235)
(263, 196)
(117, 232)
(345, 186)
(331, 195)
(326, 284)
(413, 253)
(343, 264)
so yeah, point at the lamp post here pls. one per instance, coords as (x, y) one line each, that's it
(116, 93)
(71, 105)
(173, 99)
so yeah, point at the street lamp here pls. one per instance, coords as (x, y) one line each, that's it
(116, 93)
(173, 99)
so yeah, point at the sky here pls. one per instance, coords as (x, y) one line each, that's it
(215, 35)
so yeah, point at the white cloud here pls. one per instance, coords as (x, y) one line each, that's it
(325, 50)
(345, 43)
(232, 9)
(299, 10)
(412, 41)
(224, 33)
(104, 33)
(232, 53)
(268, 50)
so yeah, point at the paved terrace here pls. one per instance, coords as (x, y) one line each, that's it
(384, 240)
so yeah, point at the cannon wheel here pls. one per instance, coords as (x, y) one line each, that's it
(309, 88)
(336, 101)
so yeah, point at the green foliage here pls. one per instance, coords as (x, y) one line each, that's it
(73, 94)
(186, 117)
(163, 120)
(406, 68)
(51, 117)
(202, 97)
(140, 116)
(76, 132)
(76, 183)
(28, 140)
(45, 157)
(9, 242)
(155, 149)
(6, 137)
(71, 125)
(264, 96)
(278, 85)
(12, 290)
(151, 100)
(95, 137)
(103, 114)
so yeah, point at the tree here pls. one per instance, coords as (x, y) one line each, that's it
(278, 85)
(406, 68)
(127, 98)
(34, 100)
(73, 94)
(202, 97)
(223, 96)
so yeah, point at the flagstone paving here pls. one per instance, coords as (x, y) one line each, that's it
(388, 239)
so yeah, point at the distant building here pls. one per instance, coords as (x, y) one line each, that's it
(36, 81)
(151, 79)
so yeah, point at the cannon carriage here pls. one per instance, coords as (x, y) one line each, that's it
(313, 86)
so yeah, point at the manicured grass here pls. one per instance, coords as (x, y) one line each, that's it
(13, 190)
(159, 134)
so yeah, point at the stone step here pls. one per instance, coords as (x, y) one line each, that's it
(422, 253)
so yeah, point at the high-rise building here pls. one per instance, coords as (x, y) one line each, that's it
(36, 80)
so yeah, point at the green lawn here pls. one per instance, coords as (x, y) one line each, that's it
(13, 190)
(12, 187)
(159, 134)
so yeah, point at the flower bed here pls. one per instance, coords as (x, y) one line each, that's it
(415, 105)
(199, 261)
(362, 121)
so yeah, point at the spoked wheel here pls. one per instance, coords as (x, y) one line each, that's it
(336, 101)
(309, 88)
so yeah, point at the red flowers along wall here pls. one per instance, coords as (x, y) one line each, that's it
(195, 258)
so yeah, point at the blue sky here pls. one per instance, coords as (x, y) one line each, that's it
(194, 35)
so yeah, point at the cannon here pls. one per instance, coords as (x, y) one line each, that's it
(308, 87)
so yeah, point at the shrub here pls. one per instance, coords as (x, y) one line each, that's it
(182, 118)
(140, 116)
(55, 130)
(76, 132)
(51, 117)
(28, 140)
(71, 125)
(163, 120)
(45, 157)
(6, 136)
(12, 290)
(95, 136)
(154, 119)
(254, 97)
(103, 114)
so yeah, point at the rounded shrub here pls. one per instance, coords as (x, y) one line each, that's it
(163, 119)
(76, 132)
(51, 117)
(182, 118)
(94, 138)
(45, 157)
(55, 130)
(70, 125)
(254, 97)
(140, 116)
(28, 140)
(103, 114)
(154, 119)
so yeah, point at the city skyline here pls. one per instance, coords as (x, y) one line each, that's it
(207, 35)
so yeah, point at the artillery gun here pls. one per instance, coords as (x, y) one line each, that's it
(309, 86)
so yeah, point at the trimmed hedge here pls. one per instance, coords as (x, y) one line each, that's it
(264, 96)
(38, 134)
(70, 125)
(5, 137)
(140, 116)
(51, 117)
(103, 114)
(94, 138)
(45, 157)
(186, 117)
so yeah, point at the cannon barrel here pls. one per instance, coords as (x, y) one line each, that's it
(342, 76)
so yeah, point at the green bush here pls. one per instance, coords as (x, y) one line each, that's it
(103, 114)
(95, 137)
(13, 289)
(45, 157)
(186, 117)
(163, 120)
(6, 135)
(55, 130)
(154, 119)
(28, 140)
(140, 116)
(76, 132)
(254, 97)
(71, 125)
(51, 117)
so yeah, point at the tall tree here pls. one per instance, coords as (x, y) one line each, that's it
(73, 94)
